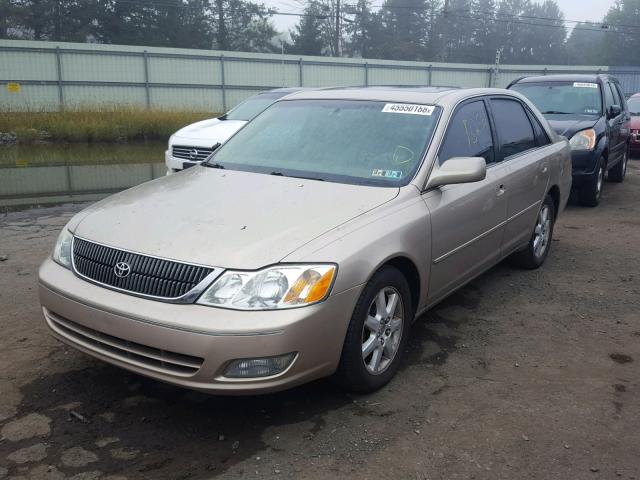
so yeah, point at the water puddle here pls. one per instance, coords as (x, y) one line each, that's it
(40, 174)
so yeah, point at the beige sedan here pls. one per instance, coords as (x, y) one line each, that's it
(313, 238)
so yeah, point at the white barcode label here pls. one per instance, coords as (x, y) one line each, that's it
(585, 85)
(408, 108)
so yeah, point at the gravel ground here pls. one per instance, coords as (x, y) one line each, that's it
(519, 375)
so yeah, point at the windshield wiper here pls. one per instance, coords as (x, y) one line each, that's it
(555, 112)
(280, 174)
(213, 165)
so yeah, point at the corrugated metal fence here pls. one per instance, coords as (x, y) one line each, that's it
(54, 76)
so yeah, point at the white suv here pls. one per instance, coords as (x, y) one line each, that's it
(194, 143)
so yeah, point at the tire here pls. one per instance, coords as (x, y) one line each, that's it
(591, 192)
(357, 371)
(537, 250)
(617, 173)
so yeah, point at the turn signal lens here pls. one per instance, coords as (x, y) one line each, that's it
(320, 288)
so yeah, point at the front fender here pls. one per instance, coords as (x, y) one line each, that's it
(400, 228)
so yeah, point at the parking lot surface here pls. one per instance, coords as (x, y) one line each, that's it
(521, 374)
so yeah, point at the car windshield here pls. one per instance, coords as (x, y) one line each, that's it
(253, 106)
(581, 98)
(634, 106)
(346, 141)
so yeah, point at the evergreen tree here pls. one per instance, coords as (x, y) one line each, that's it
(307, 34)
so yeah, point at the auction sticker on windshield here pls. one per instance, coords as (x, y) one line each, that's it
(585, 85)
(408, 108)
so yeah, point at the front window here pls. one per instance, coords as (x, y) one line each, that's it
(346, 141)
(252, 106)
(634, 106)
(582, 98)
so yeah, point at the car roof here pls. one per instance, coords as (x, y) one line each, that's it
(284, 90)
(443, 96)
(566, 77)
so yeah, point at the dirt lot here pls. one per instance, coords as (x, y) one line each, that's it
(519, 375)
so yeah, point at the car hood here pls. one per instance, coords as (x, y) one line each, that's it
(569, 125)
(224, 218)
(207, 132)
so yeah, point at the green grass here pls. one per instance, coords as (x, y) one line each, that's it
(106, 125)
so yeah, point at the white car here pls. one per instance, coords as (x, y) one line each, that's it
(194, 143)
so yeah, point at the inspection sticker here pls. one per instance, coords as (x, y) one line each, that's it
(387, 173)
(408, 108)
(585, 85)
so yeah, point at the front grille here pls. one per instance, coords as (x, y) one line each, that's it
(124, 350)
(193, 154)
(148, 276)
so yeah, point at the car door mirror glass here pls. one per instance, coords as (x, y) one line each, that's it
(614, 111)
(458, 170)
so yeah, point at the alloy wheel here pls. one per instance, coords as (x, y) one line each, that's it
(542, 231)
(382, 330)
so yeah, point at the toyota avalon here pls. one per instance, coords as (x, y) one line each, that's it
(314, 237)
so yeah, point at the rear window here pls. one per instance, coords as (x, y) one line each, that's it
(562, 98)
(253, 106)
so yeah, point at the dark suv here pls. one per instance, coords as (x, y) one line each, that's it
(591, 111)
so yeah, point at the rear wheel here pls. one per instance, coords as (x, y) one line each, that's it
(617, 173)
(539, 245)
(591, 192)
(377, 333)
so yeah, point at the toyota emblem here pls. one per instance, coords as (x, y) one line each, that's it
(193, 154)
(122, 269)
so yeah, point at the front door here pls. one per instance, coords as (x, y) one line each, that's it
(467, 220)
(616, 146)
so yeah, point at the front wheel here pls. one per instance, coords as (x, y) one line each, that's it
(591, 192)
(618, 172)
(377, 333)
(534, 255)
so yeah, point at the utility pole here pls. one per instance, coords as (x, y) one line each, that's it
(496, 68)
(445, 32)
(222, 29)
(337, 40)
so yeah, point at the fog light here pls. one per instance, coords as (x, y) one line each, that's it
(259, 367)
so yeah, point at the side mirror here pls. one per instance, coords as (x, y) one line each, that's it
(458, 170)
(614, 111)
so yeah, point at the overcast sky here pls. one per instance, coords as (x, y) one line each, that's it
(573, 10)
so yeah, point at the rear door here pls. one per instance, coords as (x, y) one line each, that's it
(467, 220)
(625, 129)
(521, 142)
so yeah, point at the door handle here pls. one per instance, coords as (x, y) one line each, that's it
(500, 190)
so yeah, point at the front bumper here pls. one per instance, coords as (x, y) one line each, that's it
(584, 164)
(191, 345)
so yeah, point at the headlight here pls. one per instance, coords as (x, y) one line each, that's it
(62, 250)
(584, 140)
(281, 286)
